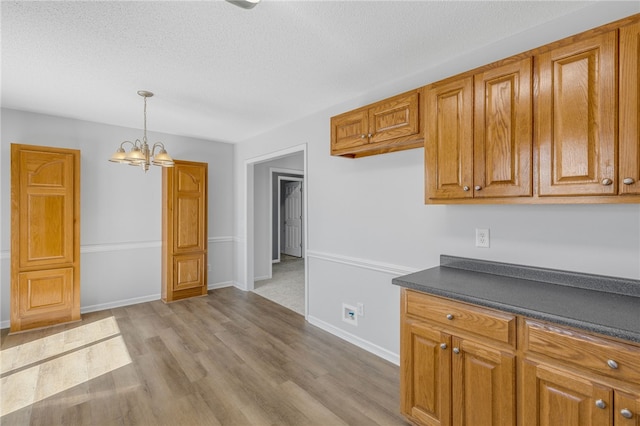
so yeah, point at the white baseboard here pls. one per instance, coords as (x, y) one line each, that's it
(262, 278)
(127, 302)
(361, 343)
(220, 285)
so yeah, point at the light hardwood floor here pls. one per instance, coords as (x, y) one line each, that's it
(228, 358)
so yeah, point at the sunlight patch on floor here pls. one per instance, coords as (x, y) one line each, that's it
(93, 349)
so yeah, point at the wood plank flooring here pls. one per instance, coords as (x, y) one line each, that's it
(228, 358)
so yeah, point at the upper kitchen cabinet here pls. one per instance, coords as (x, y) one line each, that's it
(479, 135)
(393, 124)
(557, 124)
(576, 118)
(629, 131)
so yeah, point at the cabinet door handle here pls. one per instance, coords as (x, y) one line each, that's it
(465, 188)
(477, 188)
(370, 134)
(606, 181)
(626, 413)
(449, 317)
(628, 181)
(601, 404)
(612, 364)
(456, 350)
(443, 346)
(363, 136)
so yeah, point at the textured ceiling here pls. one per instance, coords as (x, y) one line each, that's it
(223, 73)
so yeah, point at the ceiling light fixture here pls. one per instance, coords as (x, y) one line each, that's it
(140, 154)
(245, 4)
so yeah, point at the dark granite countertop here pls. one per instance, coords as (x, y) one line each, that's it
(606, 305)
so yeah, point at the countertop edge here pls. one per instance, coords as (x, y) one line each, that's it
(540, 315)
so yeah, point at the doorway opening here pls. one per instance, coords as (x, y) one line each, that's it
(277, 227)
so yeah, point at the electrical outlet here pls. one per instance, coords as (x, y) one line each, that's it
(482, 238)
(349, 314)
(361, 309)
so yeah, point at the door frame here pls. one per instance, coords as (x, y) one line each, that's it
(248, 268)
(299, 178)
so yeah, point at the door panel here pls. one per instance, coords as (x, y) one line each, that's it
(426, 374)
(293, 218)
(483, 385)
(577, 118)
(449, 143)
(349, 130)
(555, 398)
(629, 175)
(45, 216)
(398, 117)
(184, 230)
(503, 131)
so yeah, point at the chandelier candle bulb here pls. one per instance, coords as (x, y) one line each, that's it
(140, 154)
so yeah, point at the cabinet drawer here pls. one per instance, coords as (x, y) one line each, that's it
(451, 314)
(600, 355)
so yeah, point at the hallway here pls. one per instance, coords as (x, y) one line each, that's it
(286, 287)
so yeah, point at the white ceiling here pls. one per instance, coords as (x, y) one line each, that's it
(223, 73)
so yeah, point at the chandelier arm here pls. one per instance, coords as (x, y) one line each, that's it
(133, 144)
(155, 145)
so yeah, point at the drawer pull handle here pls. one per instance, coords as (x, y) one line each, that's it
(626, 413)
(443, 346)
(628, 181)
(456, 350)
(601, 404)
(449, 317)
(607, 181)
(611, 363)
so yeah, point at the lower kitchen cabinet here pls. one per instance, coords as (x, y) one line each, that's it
(462, 365)
(450, 376)
(553, 396)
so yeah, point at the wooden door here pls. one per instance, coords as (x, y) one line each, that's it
(503, 137)
(394, 118)
(349, 130)
(577, 118)
(449, 142)
(45, 236)
(184, 230)
(425, 374)
(629, 130)
(293, 218)
(552, 397)
(483, 385)
(626, 409)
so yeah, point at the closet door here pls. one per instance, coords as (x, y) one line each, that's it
(184, 230)
(45, 236)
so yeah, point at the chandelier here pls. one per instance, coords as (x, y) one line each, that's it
(140, 154)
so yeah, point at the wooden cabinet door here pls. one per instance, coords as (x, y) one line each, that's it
(483, 385)
(449, 142)
(184, 230)
(552, 397)
(626, 409)
(45, 236)
(629, 131)
(349, 130)
(425, 379)
(503, 137)
(577, 117)
(394, 118)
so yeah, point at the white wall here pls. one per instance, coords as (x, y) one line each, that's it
(367, 221)
(121, 208)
